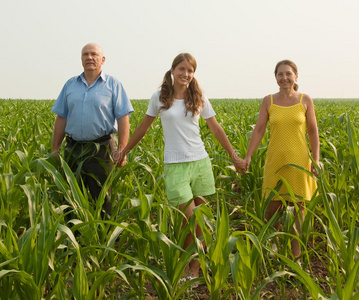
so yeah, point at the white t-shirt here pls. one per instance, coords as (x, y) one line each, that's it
(181, 133)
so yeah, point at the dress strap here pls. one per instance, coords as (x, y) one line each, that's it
(301, 97)
(271, 99)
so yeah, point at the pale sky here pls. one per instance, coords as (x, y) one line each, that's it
(236, 44)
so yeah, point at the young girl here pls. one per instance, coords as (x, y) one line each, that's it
(291, 115)
(188, 171)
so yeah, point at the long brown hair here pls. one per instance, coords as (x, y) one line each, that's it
(292, 65)
(194, 99)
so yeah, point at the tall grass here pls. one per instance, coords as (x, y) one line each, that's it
(55, 244)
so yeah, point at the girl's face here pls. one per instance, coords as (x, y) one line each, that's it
(182, 74)
(285, 76)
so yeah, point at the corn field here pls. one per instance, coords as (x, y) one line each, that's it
(55, 244)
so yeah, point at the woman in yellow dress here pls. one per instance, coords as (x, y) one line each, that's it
(291, 115)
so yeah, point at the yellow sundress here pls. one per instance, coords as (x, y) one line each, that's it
(288, 145)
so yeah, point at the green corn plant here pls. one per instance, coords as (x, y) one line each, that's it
(342, 245)
(54, 242)
(215, 264)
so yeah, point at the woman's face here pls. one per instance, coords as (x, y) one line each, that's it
(286, 76)
(183, 73)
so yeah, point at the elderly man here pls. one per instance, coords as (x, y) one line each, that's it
(87, 109)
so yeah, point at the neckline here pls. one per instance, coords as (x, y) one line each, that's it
(286, 106)
(300, 102)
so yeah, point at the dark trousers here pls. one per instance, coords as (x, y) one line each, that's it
(92, 161)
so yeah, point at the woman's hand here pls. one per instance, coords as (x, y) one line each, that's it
(314, 170)
(247, 161)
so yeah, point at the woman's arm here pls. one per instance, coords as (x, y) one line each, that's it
(312, 129)
(222, 138)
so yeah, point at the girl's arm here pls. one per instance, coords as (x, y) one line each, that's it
(136, 137)
(222, 138)
(259, 130)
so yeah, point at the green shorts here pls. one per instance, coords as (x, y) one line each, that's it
(187, 180)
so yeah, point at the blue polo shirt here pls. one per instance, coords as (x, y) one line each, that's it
(91, 111)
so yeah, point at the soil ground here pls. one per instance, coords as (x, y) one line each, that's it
(293, 288)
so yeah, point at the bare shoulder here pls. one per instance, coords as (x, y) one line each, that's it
(307, 98)
(266, 98)
(307, 101)
(266, 102)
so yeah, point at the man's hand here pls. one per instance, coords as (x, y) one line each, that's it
(55, 153)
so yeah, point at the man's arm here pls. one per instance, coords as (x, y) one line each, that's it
(123, 131)
(58, 135)
(123, 136)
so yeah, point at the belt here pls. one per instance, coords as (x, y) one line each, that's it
(99, 140)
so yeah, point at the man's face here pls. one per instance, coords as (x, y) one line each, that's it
(92, 58)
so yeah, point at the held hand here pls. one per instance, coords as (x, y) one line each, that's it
(247, 159)
(119, 158)
(239, 164)
(123, 162)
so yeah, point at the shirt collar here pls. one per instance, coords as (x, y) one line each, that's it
(82, 77)
(103, 76)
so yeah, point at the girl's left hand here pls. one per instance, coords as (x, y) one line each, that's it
(240, 165)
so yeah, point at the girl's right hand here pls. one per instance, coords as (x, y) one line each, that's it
(119, 158)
